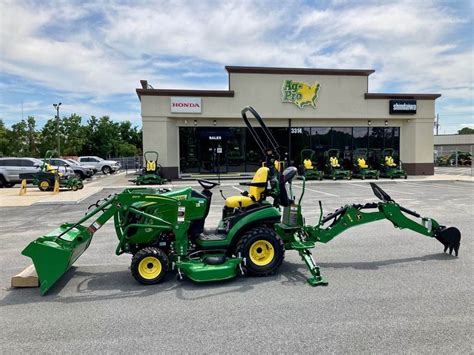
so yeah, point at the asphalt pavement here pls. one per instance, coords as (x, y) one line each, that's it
(390, 290)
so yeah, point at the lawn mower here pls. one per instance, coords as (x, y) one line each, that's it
(164, 230)
(308, 168)
(151, 174)
(333, 169)
(361, 168)
(388, 167)
(47, 176)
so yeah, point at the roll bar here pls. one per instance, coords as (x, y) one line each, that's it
(263, 147)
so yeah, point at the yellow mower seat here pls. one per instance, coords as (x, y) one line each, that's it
(334, 162)
(150, 166)
(308, 164)
(362, 164)
(389, 161)
(254, 194)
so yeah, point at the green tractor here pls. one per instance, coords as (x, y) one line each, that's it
(361, 168)
(308, 169)
(47, 176)
(333, 169)
(388, 166)
(164, 230)
(152, 173)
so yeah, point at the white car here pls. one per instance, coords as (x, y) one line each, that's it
(106, 166)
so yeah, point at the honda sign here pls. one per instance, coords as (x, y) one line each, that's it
(185, 105)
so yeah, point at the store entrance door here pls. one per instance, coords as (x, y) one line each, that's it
(212, 149)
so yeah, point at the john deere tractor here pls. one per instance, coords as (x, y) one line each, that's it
(47, 176)
(164, 230)
(308, 168)
(333, 168)
(361, 167)
(389, 167)
(151, 173)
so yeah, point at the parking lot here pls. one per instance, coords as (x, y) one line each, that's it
(389, 290)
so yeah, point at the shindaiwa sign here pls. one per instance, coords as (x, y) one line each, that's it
(402, 107)
(300, 93)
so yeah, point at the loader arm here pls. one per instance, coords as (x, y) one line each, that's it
(54, 253)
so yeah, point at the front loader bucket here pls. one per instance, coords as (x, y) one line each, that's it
(450, 237)
(54, 253)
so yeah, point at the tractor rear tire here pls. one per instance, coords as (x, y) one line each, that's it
(149, 266)
(263, 251)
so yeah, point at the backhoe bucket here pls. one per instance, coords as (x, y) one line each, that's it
(450, 237)
(54, 253)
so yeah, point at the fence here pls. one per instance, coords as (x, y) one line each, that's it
(130, 163)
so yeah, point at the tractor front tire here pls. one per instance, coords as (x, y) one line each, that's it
(149, 266)
(263, 251)
(45, 185)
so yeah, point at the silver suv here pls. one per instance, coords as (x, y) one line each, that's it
(11, 168)
(106, 166)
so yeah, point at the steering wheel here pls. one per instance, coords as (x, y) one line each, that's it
(206, 184)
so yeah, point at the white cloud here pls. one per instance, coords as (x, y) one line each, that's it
(102, 49)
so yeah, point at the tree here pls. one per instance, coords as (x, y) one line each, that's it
(4, 142)
(466, 130)
(73, 135)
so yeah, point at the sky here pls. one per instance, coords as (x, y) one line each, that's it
(90, 56)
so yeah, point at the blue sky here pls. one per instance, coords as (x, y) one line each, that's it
(91, 55)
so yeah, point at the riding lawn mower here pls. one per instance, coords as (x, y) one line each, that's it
(333, 169)
(361, 167)
(308, 169)
(47, 176)
(164, 231)
(151, 174)
(389, 167)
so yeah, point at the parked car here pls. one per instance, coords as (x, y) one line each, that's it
(91, 166)
(11, 168)
(63, 164)
(106, 166)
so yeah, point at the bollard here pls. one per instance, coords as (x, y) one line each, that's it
(23, 187)
(56, 187)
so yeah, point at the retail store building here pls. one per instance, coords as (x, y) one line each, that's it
(199, 131)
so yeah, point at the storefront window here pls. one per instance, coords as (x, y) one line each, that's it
(212, 149)
(300, 139)
(235, 150)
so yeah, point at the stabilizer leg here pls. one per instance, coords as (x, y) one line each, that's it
(317, 279)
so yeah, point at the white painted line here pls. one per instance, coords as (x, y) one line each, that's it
(389, 190)
(317, 191)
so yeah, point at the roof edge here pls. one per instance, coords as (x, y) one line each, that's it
(311, 71)
(385, 96)
(178, 92)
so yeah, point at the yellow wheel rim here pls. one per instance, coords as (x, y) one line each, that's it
(44, 184)
(261, 252)
(149, 268)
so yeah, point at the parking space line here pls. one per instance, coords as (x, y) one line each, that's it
(317, 191)
(389, 190)
(236, 188)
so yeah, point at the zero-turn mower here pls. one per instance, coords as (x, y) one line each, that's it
(164, 230)
(389, 167)
(361, 167)
(151, 173)
(308, 168)
(333, 169)
(47, 176)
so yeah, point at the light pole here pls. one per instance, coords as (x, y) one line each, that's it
(56, 106)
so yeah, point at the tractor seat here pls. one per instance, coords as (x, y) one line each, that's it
(334, 162)
(308, 164)
(362, 164)
(389, 161)
(256, 191)
(150, 166)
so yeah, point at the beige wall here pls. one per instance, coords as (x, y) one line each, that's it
(341, 102)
